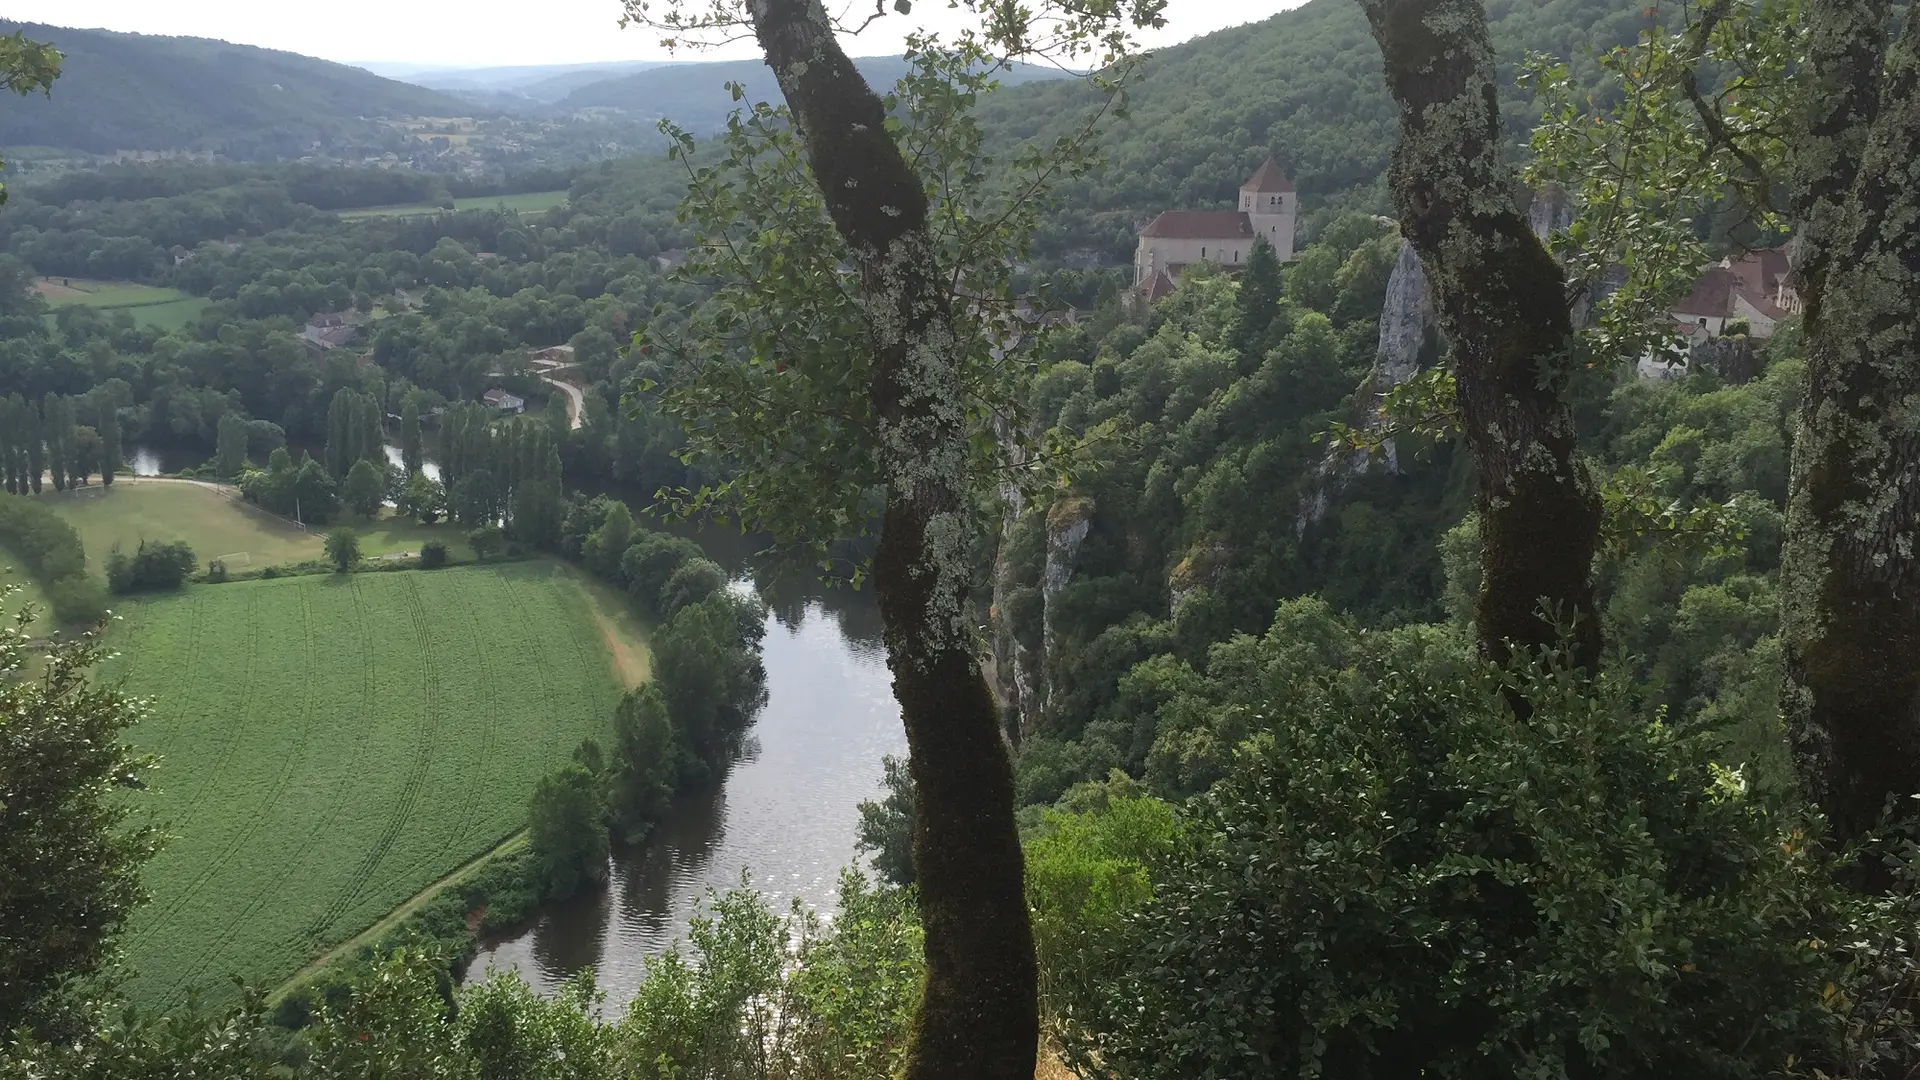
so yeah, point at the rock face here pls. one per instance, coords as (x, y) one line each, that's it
(1406, 320)
(1551, 209)
(1017, 669)
(1067, 526)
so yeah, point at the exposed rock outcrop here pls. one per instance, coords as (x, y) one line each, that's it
(1406, 323)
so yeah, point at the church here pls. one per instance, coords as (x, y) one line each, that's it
(1179, 238)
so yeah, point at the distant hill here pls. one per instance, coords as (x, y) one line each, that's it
(141, 92)
(695, 95)
(1304, 86)
(537, 82)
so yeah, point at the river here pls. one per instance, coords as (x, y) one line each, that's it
(785, 813)
(160, 459)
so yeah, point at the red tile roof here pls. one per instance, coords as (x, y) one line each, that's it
(1158, 286)
(1712, 295)
(1200, 225)
(1269, 178)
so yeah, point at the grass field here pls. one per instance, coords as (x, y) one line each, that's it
(216, 525)
(333, 744)
(532, 202)
(169, 309)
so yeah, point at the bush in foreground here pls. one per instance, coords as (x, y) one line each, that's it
(154, 567)
(1400, 877)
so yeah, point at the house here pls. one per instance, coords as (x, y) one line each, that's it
(506, 404)
(672, 259)
(1757, 286)
(552, 356)
(1179, 238)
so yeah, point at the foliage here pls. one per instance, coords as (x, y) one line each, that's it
(343, 548)
(1399, 875)
(70, 850)
(486, 540)
(706, 662)
(646, 763)
(433, 555)
(154, 567)
(365, 488)
(423, 498)
(567, 832)
(50, 550)
(886, 825)
(303, 492)
(373, 735)
(1088, 871)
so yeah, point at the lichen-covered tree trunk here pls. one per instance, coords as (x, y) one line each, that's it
(978, 1013)
(1502, 304)
(1851, 566)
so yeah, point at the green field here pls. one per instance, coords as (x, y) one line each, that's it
(333, 744)
(217, 525)
(169, 309)
(532, 202)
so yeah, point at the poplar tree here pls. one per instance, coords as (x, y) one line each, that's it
(411, 455)
(230, 446)
(109, 429)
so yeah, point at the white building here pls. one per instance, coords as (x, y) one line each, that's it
(1179, 238)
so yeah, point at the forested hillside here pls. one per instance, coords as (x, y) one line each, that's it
(695, 96)
(1304, 86)
(142, 92)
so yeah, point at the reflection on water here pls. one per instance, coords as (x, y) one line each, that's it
(786, 811)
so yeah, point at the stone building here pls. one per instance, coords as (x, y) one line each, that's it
(1179, 238)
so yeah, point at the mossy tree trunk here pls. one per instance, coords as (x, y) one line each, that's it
(1502, 303)
(978, 1013)
(1851, 566)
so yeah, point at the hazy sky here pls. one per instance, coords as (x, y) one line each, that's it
(472, 33)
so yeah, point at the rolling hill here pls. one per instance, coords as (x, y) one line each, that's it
(142, 92)
(695, 95)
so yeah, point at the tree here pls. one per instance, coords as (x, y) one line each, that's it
(109, 429)
(609, 542)
(343, 548)
(1824, 111)
(894, 416)
(1502, 303)
(887, 827)
(412, 456)
(567, 831)
(423, 498)
(364, 489)
(84, 456)
(69, 857)
(485, 540)
(1258, 301)
(26, 67)
(57, 430)
(645, 765)
(230, 446)
(1850, 573)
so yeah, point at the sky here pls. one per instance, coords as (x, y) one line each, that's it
(481, 33)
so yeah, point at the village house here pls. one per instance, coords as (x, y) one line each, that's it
(552, 356)
(1756, 286)
(1179, 238)
(330, 331)
(507, 404)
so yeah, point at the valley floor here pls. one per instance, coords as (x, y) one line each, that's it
(332, 745)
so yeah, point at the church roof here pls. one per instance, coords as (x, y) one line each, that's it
(1160, 285)
(1200, 225)
(1268, 178)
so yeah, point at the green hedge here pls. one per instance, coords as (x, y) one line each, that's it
(50, 550)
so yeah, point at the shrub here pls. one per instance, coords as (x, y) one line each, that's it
(1400, 876)
(433, 555)
(343, 548)
(50, 550)
(154, 567)
(486, 540)
(216, 571)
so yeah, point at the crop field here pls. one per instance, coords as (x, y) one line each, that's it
(331, 745)
(217, 525)
(532, 202)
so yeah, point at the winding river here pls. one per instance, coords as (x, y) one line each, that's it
(785, 813)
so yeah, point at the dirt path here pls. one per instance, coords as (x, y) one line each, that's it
(576, 398)
(397, 915)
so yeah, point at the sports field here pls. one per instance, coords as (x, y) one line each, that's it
(531, 202)
(219, 526)
(333, 744)
(169, 309)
